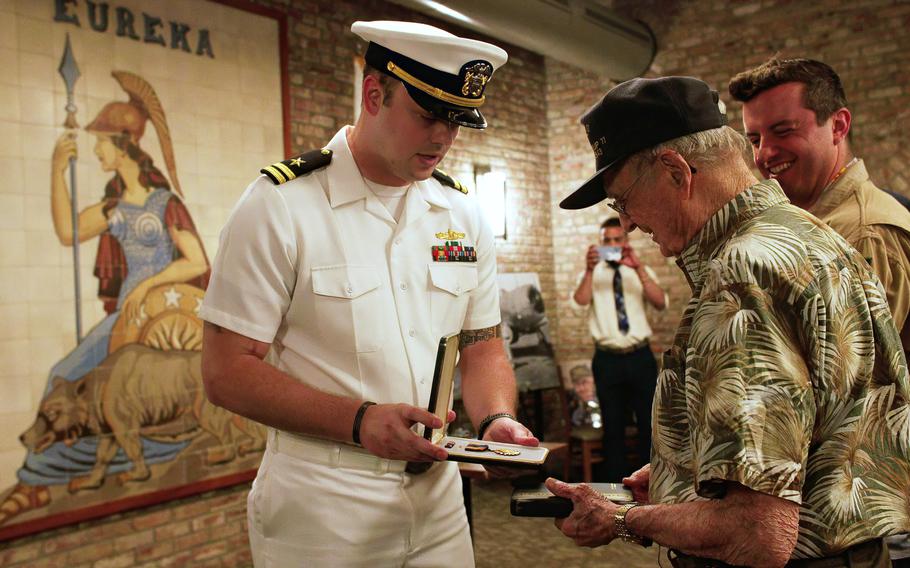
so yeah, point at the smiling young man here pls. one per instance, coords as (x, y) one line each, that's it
(796, 118)
(337, 274)
(775, 430)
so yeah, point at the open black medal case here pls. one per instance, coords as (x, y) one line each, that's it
(465, 449)
(539, 502)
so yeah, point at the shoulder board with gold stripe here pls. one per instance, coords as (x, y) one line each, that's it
(446, 179)
(280, 172)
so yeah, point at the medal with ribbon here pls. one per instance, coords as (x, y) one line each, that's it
(453, 250)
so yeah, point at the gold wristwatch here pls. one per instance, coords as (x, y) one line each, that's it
(622, 529)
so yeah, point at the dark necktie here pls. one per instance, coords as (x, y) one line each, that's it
(621, 316)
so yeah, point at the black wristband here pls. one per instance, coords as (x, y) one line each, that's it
(485, 423)
(358, 418)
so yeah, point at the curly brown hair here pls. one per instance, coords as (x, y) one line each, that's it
(824, 92)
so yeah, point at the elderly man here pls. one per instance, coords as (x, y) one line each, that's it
(781, 429)
(796, 118)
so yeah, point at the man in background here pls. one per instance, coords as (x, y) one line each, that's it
(796, 118)
(614, 289)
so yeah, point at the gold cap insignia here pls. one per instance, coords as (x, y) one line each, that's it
(475, 78)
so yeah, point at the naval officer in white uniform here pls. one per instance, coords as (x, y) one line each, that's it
(336, 275)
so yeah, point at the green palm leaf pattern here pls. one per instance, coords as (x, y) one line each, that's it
(786, 375)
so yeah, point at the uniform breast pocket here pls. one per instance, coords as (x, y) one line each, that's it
(450, 287)
(348, 307)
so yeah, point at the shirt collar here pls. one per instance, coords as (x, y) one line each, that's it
(346, 183)
(434, 193)
(720, 227)
(844, 186)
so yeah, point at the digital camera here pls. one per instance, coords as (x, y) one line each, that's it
(610, 254)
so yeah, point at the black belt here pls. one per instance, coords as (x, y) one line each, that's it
(866, 554)
(623, 350)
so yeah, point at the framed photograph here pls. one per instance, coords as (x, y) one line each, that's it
(135, 128)
(526, 331)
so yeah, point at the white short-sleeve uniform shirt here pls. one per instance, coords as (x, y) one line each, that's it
(351, 301)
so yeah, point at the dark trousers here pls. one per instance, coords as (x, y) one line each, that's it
(869, 554)
(624, 381)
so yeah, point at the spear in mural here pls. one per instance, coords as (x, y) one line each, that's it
(70, 73)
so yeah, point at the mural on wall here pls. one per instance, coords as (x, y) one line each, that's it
(123, 412)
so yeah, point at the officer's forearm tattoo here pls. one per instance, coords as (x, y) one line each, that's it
(471, 336)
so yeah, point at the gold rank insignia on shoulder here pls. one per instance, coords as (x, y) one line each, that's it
(289, 169)
(446, 179)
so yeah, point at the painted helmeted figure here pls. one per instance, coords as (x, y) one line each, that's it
(146, 240)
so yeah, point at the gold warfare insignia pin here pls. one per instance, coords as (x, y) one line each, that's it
(450, 235)
(475, 77)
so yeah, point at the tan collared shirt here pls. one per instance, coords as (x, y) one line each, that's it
(878, 226)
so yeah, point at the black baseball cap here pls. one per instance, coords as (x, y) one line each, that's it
(640, 114)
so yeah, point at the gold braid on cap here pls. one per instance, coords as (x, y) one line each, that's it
(431, 90)
(143, 96)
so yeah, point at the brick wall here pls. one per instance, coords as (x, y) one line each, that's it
(534, 108)
(209, 530)
(864, 41)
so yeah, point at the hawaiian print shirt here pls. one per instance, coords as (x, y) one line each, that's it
(787, 376)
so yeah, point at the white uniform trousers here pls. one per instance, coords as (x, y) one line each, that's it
(317, 503)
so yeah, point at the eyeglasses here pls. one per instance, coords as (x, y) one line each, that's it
(618, 204)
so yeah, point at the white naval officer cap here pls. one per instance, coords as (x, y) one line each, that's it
(445, 74)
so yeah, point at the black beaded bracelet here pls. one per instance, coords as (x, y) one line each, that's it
(358, 418)
(485, 423)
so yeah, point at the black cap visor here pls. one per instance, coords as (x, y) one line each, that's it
(460, 115)
(591, 192)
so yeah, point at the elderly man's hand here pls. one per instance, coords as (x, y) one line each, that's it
(639, 482)
(591, 522)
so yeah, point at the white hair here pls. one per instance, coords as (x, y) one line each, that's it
(704, 148)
